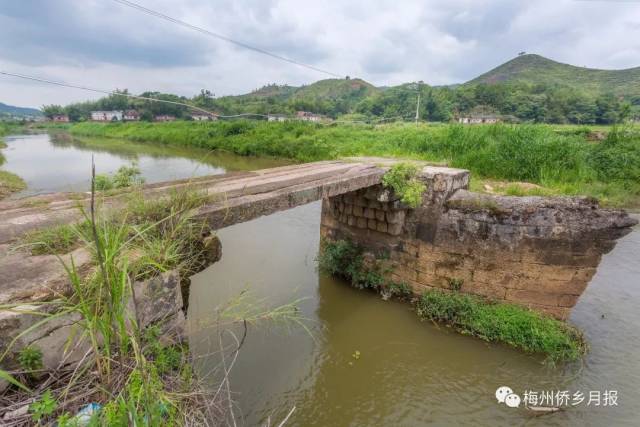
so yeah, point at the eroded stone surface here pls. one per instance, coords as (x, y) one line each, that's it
(538, 252)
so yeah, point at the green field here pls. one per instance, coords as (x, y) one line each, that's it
(560, 160)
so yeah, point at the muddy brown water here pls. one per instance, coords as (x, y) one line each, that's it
(409, 373)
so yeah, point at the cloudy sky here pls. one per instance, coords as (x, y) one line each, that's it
(104, 44)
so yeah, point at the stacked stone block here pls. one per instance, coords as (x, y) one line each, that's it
(372, 208)
(533, 251)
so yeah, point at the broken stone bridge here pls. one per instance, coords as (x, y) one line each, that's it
(538, 252)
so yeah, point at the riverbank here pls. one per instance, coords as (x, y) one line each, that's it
(558, 163)
(109, 338)
(9, 182)
(106, 334)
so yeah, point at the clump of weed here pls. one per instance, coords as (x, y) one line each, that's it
(30, 359)
(403, 179)
(59, 239)
(125, 176)
(455, 284)
(43, 407)
(345, 259)
(500, 322)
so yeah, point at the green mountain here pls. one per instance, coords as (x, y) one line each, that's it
(336, 89)
(330, 96)
(535, 69)
(10, 110)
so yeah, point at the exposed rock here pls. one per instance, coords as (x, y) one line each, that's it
(539, 252)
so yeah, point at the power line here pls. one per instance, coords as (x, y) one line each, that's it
(192, 107)
(222, 37)
(128, 95)
(109, 92)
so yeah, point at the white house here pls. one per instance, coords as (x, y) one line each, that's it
(106, 116)
(308, 117)
(131, 115)
(277, 118)
(478, 119)
(201, 117)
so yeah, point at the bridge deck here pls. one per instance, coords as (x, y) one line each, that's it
(235, 198)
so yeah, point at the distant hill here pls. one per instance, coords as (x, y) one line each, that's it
(335, 89)
(323, 96)
(536, 69)
(11, 110)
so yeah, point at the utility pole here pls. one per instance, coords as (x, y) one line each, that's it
(418, 107)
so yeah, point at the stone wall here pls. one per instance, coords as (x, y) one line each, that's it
(533, 251)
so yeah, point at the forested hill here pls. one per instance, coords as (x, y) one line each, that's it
(529, 88)
(330, 96)
(18, 111)
(535, 69)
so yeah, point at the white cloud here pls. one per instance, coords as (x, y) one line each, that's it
(107, 45)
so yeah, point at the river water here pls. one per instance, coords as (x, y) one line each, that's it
(409, 373)
(59, 162)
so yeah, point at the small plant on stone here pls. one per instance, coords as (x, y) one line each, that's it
(403, 179)
(30, 359)
(400, 290)
(43, 407)
(455, 284)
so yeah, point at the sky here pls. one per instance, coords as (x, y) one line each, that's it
(104, 44)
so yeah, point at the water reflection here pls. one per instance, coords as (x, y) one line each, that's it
(63, 163)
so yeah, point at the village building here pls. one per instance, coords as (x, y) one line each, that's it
(202, 117)
(106, 116)
(277, 118)
(60, 118)
(131, 116)
(479, 119)
(165, 118)
(308, 117)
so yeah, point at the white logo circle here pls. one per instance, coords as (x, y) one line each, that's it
(502, 393)
(512, 400)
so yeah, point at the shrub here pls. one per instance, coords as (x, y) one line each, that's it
(403, 179)
(125, 176)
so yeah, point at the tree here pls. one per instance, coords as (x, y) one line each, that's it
(52, 110)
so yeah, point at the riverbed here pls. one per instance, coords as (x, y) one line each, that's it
(408, 372)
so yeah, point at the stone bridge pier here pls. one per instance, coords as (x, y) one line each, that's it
(538, 252)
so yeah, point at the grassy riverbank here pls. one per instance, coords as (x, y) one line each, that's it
(9, 182)
(135, 371)
(492, 321)
(561, 162)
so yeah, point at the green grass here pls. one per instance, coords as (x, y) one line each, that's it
(506, 323)
(563, 162)
(140, 376)
(10, 183)
(519, 327)
(60, 239)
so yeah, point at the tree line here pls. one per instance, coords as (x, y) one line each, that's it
(518, 102)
